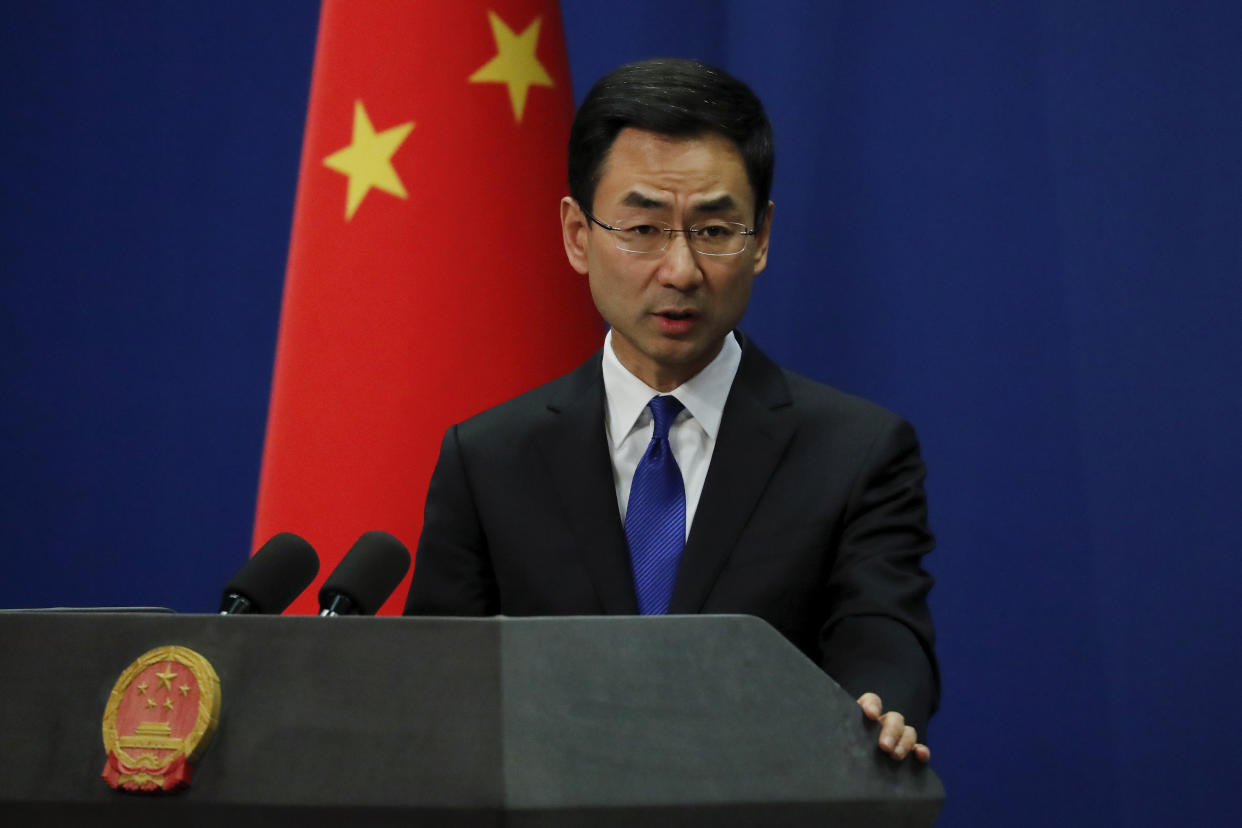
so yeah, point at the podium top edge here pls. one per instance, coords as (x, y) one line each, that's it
(507, 620)
(72, 610)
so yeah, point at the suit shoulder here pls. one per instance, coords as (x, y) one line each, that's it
(819, 399)
(523, 411)
(777, 387)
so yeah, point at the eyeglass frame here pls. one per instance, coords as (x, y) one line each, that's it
(668, 236)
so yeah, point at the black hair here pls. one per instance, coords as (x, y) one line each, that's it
(676, 97)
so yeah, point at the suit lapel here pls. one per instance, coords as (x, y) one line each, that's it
(753, 437)
(576, 449)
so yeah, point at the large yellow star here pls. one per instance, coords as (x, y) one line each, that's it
(515, 63)
(367, 160)
(166, 677)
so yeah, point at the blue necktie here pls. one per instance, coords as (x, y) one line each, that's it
(655, 519)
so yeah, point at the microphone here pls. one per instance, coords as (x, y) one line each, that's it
(272, 578)
(365, 577)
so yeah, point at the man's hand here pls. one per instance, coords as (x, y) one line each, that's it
(896, 737)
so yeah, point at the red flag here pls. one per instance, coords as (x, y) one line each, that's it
(426, 277)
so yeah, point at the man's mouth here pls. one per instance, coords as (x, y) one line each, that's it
(676, 322)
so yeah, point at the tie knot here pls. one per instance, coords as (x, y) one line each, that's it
(664, 409)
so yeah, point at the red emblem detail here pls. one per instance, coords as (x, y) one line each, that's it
(160, 718)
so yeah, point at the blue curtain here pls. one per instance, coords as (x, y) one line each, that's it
(1017, 224)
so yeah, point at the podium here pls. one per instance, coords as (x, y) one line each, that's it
(608, 721)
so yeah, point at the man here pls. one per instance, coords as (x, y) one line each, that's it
(679, 470)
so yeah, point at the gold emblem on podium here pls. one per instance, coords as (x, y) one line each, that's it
(159, 719)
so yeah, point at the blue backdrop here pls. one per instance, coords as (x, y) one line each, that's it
(1018, 224)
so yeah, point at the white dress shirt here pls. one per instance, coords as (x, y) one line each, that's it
(692, 436)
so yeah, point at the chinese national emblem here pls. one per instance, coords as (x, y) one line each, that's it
(159, 719)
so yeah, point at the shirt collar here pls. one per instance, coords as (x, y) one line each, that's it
(703, 395)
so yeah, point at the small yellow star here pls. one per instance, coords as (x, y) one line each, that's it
(142, 689)
(166, 677)
(367, 160)
(185, 689)
(515, 63)
(168, 703)
(150, 703)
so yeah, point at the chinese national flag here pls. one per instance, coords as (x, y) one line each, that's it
(426, 277)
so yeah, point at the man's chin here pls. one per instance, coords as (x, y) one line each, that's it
(685, 354)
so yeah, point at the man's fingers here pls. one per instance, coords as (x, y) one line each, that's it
(897, 738)
(906, 743)
(893, 732)
(871, 705)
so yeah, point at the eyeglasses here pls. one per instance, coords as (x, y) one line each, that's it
(715, 238)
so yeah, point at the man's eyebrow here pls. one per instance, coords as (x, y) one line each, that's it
(719, 204)
(637, 199)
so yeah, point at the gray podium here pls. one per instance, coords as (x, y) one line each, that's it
(675, 721)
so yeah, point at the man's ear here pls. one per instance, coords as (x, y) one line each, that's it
(574, 231)
(762, 234)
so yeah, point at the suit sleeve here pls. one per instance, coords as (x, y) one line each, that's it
(452, 569)
(878, 636)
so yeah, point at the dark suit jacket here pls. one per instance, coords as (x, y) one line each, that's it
(812, 517)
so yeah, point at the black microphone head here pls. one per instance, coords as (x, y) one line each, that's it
(368, 573)
(273, 577)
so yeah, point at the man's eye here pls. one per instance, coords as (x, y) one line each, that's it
(715, 231)
(644, 230)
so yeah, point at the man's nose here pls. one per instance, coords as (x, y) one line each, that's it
(678, 267)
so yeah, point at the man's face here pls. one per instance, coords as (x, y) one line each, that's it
(669, 311)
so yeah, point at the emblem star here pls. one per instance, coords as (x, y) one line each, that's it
(166, 678)
(142, 689)
(367, 161)
(185, 689)
(168, 703)
(150, 702)
(515, 63)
